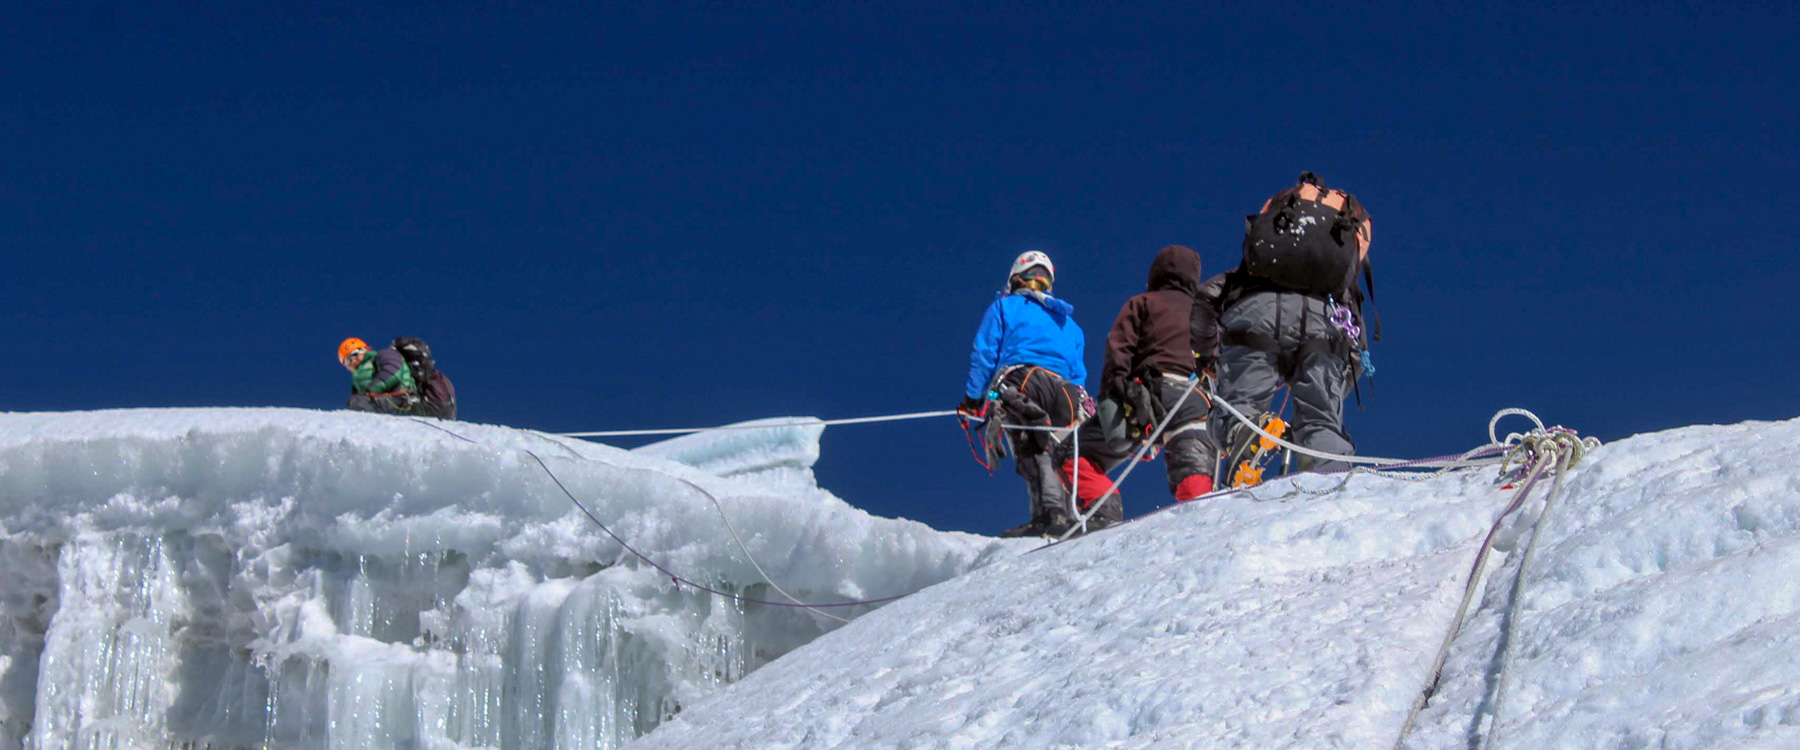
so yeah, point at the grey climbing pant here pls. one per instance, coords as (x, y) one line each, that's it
(1274, 337)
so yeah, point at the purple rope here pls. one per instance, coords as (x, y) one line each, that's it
(1217, 494)
(1483, 453)
(673, 576)
(1487, 545)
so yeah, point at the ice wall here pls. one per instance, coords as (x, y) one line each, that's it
(781, 457)
(238, 578)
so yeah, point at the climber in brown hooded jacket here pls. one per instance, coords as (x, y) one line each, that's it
(1150, 356)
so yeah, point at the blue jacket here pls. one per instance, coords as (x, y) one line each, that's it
(1018, 330)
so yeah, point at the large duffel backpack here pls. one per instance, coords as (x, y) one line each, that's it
(435, 388)
(1310, 238)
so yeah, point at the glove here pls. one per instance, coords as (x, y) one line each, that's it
(971, 407)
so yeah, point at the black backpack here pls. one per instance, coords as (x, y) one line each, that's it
(434, 387)
(1309, 238)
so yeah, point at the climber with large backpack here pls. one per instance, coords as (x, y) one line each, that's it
(380, 382)
(1026, 370)
(1149, 379)
(1292, 313)
(437, 395)
(1203, 326)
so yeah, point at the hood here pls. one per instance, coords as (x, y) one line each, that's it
(1177, 268)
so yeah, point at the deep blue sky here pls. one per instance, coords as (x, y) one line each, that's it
(668, 214)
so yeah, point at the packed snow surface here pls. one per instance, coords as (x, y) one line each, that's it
(1661, 610)
(277, 578)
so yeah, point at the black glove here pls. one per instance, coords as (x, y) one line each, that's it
(971, 407)
(1113, 390)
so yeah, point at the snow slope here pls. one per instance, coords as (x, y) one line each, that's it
(1662, 610)
(280, 578)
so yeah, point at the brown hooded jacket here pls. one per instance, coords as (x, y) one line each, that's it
(1153, 329)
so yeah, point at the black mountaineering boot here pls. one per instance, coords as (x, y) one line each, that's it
(1057, 524)
(1034, 527)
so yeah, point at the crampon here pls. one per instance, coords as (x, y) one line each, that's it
(1253, 457)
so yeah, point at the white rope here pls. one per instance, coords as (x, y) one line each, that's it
(762, 426)
(752, 558)
(1462, 610)
(1075, 482)
(1567, 450)
(1493, 424)
(1463, 461)
(1113, 491)
(1366, 460)
(1041, 428)
(1555, 450)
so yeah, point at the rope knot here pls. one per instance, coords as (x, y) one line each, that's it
(1545, 448)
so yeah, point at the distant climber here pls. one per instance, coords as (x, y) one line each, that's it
(379, 381)
(1026, 369)
(1292, 313)
(1152, 353)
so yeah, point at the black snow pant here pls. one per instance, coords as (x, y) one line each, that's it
(1272, 337)
(404, 403)
(1187, 446)
(1038, 397)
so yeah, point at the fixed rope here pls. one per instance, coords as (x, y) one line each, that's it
(1480, 456)
(1523, 458)
(677, 578)
(1529, 456)
(1113, 491)
(1565, 449)
(762, 426)
(1445, 462)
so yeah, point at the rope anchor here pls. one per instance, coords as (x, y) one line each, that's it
(1529, 457)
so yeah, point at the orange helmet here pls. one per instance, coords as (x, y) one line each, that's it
(352, 344)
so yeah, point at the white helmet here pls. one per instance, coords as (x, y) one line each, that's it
(1027, 260)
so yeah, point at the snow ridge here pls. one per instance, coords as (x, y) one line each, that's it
(1662, 611)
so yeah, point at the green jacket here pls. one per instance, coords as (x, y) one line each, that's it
(385, 372)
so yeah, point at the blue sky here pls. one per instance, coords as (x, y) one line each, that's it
(616, 217)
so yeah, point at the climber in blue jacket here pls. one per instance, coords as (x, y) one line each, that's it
(1026, 368)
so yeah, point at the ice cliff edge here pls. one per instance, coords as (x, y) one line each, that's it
(287, 578)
